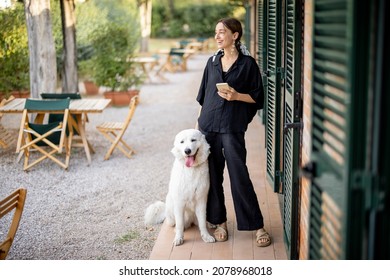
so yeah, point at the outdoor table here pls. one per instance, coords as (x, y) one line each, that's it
(169, 65)
(143, 62)
(77, 107)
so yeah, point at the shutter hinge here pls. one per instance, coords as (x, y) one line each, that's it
(370, 186)
(297, 105)
(282, 72)
(297, 113)
(292, 125)
(280, 175)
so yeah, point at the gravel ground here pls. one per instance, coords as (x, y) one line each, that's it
(96, 212)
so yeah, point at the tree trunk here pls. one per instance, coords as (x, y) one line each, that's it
(171, 5)
(69, 70)
(145, 9)
(43, 65)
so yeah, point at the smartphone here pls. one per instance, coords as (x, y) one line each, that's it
(222, 86)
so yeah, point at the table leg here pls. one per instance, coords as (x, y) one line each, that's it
(83, 137)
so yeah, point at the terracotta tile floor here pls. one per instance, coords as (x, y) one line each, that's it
(241, 244)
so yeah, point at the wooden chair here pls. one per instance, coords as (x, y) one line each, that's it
(14, 201)
(114, 131)
(77, 141)
(175, 61)
(6, 137)
(52, 135)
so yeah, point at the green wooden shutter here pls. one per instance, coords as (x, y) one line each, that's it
(274, 76)
(262, 35)
(369, 229)
(339, 129)
(262, 50)
(379, 231)
(331, 92)
(292, 126)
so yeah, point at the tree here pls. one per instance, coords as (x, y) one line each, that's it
(145, 12)
(69, 69)
(43, 65)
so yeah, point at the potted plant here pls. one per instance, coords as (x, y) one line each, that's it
(113, 47)
(85, 73)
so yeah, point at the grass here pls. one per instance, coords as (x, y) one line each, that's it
(127, 237)
(165, 43)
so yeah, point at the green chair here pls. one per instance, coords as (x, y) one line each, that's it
(56, 117)
(48, 139)
(77, 120)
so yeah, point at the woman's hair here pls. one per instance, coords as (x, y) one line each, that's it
(233, 25)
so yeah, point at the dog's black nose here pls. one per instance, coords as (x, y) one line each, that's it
(187, 151)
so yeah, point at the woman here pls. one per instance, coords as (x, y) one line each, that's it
(224, 119)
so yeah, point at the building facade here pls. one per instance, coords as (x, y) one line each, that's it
(327, 92)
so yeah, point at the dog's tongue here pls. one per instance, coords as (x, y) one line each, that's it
(190, 161)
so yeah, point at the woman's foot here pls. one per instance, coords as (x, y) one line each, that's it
(220, 233)
(262, 238)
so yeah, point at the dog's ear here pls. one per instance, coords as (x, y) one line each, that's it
(176, 152)
(204, 150)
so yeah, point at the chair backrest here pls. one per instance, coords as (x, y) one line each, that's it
(177, 52)
(133, 104)
(14, 201)
(5, 136)
(75, 95)
(47, 105)
(56, 117)
(5, 102)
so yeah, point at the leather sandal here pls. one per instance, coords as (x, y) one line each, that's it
(220, 233)
(262, 238)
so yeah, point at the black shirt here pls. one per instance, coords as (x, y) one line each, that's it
(221, 115)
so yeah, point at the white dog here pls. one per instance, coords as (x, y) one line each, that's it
(188, 187)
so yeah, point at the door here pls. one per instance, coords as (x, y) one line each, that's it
(341, 41)
(262, 51)
(292, 123)
(273, 78)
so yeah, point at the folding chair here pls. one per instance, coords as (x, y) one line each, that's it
(5, 136)
(174, 61)
(114, 131)
(13, 202)
(77, 141)
(52, 135)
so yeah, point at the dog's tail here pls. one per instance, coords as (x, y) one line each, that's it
(155, 213)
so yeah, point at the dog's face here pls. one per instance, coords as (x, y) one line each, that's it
(191, 147)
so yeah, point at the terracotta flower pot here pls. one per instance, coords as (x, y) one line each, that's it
(21, 94)
(91, 88)
(120, 98)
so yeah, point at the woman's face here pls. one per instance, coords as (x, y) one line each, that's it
(223, 36)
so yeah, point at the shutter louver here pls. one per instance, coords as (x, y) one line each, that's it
(329, 113)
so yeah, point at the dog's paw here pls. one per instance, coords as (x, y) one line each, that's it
(170, 221)
(210, 225)
(208, 238)
(178, 241)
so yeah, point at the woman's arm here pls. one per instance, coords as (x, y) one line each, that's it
(196, 124)
(232, 95)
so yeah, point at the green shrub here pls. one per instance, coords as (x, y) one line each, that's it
(14, 57)
(199, 18)
(113, 46)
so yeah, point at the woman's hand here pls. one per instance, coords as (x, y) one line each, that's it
(231, 94)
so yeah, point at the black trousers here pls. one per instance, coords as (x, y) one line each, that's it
(230, 148)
